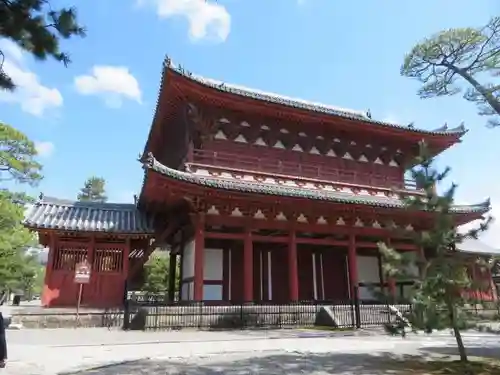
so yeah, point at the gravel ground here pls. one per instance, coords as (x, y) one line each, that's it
(50, 352)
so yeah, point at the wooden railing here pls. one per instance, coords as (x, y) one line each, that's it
(290, 168)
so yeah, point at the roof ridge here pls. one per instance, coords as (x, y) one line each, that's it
(86, 204)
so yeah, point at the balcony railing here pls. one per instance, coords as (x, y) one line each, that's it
(290, 168)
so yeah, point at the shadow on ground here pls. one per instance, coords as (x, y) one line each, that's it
(276, 364)
(472, 351)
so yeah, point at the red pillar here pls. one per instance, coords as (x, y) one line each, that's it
(47, 293)
(172, 268)
(293, 278)
(248, 267)
(199, 249)
(353, 267)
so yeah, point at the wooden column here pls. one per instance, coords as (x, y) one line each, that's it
(293, 278)
(181, 265)
(172, 268)
(49, 269)
(199, 250)
(125, 267)
(353, 267)
(248, 266)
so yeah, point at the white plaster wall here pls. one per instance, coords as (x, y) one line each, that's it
(187, 292)
(212, 292)
(212, 271)
(213, 264)
(411, 269)
(368, 272)
(407, 291)
(368, 269)
(188, 260)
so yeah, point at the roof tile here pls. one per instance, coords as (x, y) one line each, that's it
(289, 191)
(58, 214)
(303, 104)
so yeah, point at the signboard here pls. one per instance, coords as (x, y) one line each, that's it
(82, 273)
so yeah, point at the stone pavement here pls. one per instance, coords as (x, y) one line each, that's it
(50, 352)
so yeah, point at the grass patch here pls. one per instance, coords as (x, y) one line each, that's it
(476, 366)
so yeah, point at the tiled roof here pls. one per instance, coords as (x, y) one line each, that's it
(303, 104)
(476, 247)
(290, 191)
(58, 214)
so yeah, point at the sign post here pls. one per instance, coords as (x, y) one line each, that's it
(82, 276)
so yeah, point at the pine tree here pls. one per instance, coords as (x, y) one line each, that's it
(437, 297)
(454, 59)
(37, 27)
(93, 190)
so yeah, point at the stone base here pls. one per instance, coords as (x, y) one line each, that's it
(209, 317)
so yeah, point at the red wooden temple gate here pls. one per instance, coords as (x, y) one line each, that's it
(263, 197)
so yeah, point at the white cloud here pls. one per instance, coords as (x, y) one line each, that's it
(30, 94)
(44, 149)
(112, 83)
(206, 18)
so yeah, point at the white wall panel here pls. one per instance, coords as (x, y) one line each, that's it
(411, 269)
(368, 293)
(213, 264)
(212, 292)
(188, 260)
(187, 293)
(368, 269)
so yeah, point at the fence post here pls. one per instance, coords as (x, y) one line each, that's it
(200, 315)
(126, 315)
(240, 321)
(357, 309)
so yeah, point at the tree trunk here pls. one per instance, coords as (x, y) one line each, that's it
(485, 93)
(458, 336)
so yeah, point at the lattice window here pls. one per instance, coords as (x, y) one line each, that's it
(67, 257)
(108, 260)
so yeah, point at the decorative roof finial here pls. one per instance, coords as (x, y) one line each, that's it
(40, 197)
(411, 125)
(369, 114)
(168, 61)
(135, 199)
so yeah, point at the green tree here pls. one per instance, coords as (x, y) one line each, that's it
(37, 27)
(94, 190)
(156, 273)
(17, 157)
(455, 56)
(18, 164)
(32, 277)
(14, 240)
(437, 297)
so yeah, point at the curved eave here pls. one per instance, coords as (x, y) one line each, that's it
(448, 135)
(287, 191)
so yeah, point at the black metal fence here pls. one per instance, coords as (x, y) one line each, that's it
(150, 313)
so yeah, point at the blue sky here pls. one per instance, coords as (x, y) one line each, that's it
(93, 117)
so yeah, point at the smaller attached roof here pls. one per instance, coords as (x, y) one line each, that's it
(66, 215)
(473, 246)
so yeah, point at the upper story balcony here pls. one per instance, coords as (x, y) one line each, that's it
(256, 165)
